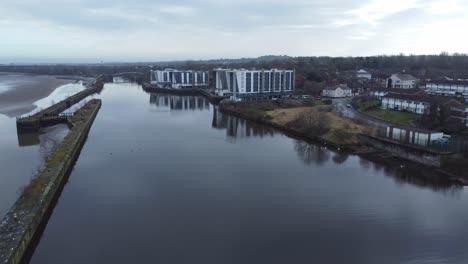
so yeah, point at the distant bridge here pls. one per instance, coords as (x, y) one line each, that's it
(129, 74)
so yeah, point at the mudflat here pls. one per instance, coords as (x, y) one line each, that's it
(20, 91)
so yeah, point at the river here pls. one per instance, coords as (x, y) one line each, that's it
(167, 179)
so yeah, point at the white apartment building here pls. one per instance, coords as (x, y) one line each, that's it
(402, 81)
(416, 104)
(381, 92)
(448, 88)
(170, 78)
(242, 84)
(337, 91)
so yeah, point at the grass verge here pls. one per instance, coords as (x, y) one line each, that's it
(395, 117)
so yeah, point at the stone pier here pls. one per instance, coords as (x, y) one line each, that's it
(22, 224)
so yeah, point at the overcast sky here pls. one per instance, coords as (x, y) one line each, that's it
(156, 30)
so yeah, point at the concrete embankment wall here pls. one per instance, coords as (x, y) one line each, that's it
(33, 123)
(412, 153)
(19, 228)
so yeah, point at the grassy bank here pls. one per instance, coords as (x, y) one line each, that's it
(395, 117)
(312, 120)
(366, 105)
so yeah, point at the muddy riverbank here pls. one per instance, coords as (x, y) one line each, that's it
(23, 90)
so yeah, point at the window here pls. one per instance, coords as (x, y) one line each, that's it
(255, 82)
(190, 77)
(267, 81)
(231, 82)
(272, 81)
(277, 81)
(178, 77)
(288, 82)
(248, 77)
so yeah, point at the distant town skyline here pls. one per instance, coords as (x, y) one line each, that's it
(79, 31)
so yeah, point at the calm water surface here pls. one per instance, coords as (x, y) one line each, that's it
(166, 179)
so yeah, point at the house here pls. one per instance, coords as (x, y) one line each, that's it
(242, 84)
(449, 88)
(402, 81)
(337, 91)
(362, 74)
(459, 114)
(170, 78)
(413, 135)
(421, 104)
(407, 102)
(381, 92)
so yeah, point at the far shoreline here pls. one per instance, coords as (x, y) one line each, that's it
(26, 89)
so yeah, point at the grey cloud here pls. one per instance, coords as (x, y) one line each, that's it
(216, 28)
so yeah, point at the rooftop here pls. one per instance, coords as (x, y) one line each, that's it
(342, 86)
(254, 70)
(362, 71)
(444, 81)
(398, 90)
(405, 76)
(441, 100)
(411, 97)
(416, 129)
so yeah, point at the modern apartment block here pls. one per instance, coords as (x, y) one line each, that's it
(170, 78)
(242, 84)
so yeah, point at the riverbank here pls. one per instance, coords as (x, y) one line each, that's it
(25, 89)
(312, 121)
(20, 226)
(319, 124)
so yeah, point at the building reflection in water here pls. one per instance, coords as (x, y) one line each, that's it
(310, 154)
(238, 127)
(420, 176)
(175, 102)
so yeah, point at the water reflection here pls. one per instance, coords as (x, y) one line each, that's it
(47, 138)
(421, 177)
(174, 102)
(252, 201)
(310, 153)
(416, 175)
(28, 139)
(237, 127)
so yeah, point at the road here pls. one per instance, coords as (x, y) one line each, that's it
(343, 108)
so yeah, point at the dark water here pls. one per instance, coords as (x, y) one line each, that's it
(22, 156)
(165, 179)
